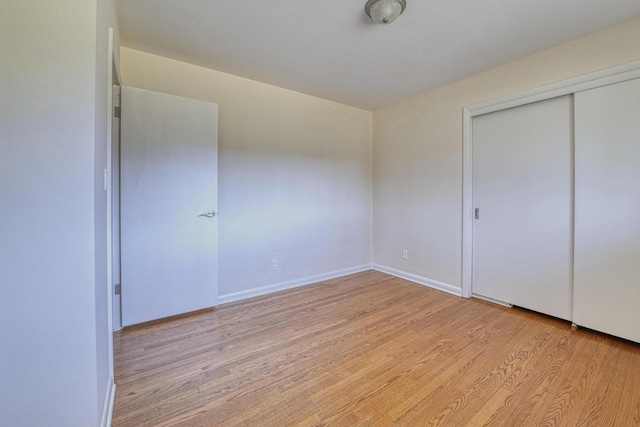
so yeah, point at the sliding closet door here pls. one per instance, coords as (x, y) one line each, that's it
(522, 237)
(607, 233)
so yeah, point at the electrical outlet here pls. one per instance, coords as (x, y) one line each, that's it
(405, 254)
(274, 264)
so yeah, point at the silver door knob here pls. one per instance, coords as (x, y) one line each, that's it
(208, 214)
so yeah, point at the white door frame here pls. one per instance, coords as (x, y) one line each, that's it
(115, 207)
(111, 78)
(628, 71)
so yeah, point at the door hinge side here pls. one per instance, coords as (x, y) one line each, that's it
(118, 289)
(116, 112)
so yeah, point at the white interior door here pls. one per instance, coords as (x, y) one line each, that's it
(523, 188)
(168, 181)
(607, 224)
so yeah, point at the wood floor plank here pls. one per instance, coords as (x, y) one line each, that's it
(473, 374)
(372, 350)
(532, 391)
(628, 409)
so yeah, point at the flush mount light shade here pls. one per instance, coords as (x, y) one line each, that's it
(385, 11)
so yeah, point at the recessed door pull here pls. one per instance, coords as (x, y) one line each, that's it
(208, 214)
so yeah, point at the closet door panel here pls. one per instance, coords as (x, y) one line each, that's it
(522, 240)
(607, 209)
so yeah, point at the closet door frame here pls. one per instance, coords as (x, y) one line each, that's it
(617, 74)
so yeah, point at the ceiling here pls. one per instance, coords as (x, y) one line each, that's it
(331, 49)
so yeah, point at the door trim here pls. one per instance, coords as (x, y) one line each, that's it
(617, 74)
(113, 74)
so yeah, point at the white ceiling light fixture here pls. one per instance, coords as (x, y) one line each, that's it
(385, 11)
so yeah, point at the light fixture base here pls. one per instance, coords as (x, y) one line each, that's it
(384, 19)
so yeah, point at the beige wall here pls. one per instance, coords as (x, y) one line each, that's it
(294, 177)
(418, 151)
(294, 168)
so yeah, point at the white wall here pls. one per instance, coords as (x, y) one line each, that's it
(52, 334)
(418, 151)
(294, 177)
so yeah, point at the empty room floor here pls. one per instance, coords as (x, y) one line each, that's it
(372, 349)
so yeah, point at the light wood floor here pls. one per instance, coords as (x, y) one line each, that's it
(370, 349)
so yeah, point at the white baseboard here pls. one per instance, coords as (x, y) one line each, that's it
(109, 398)
(444, 287)
(263, 290)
